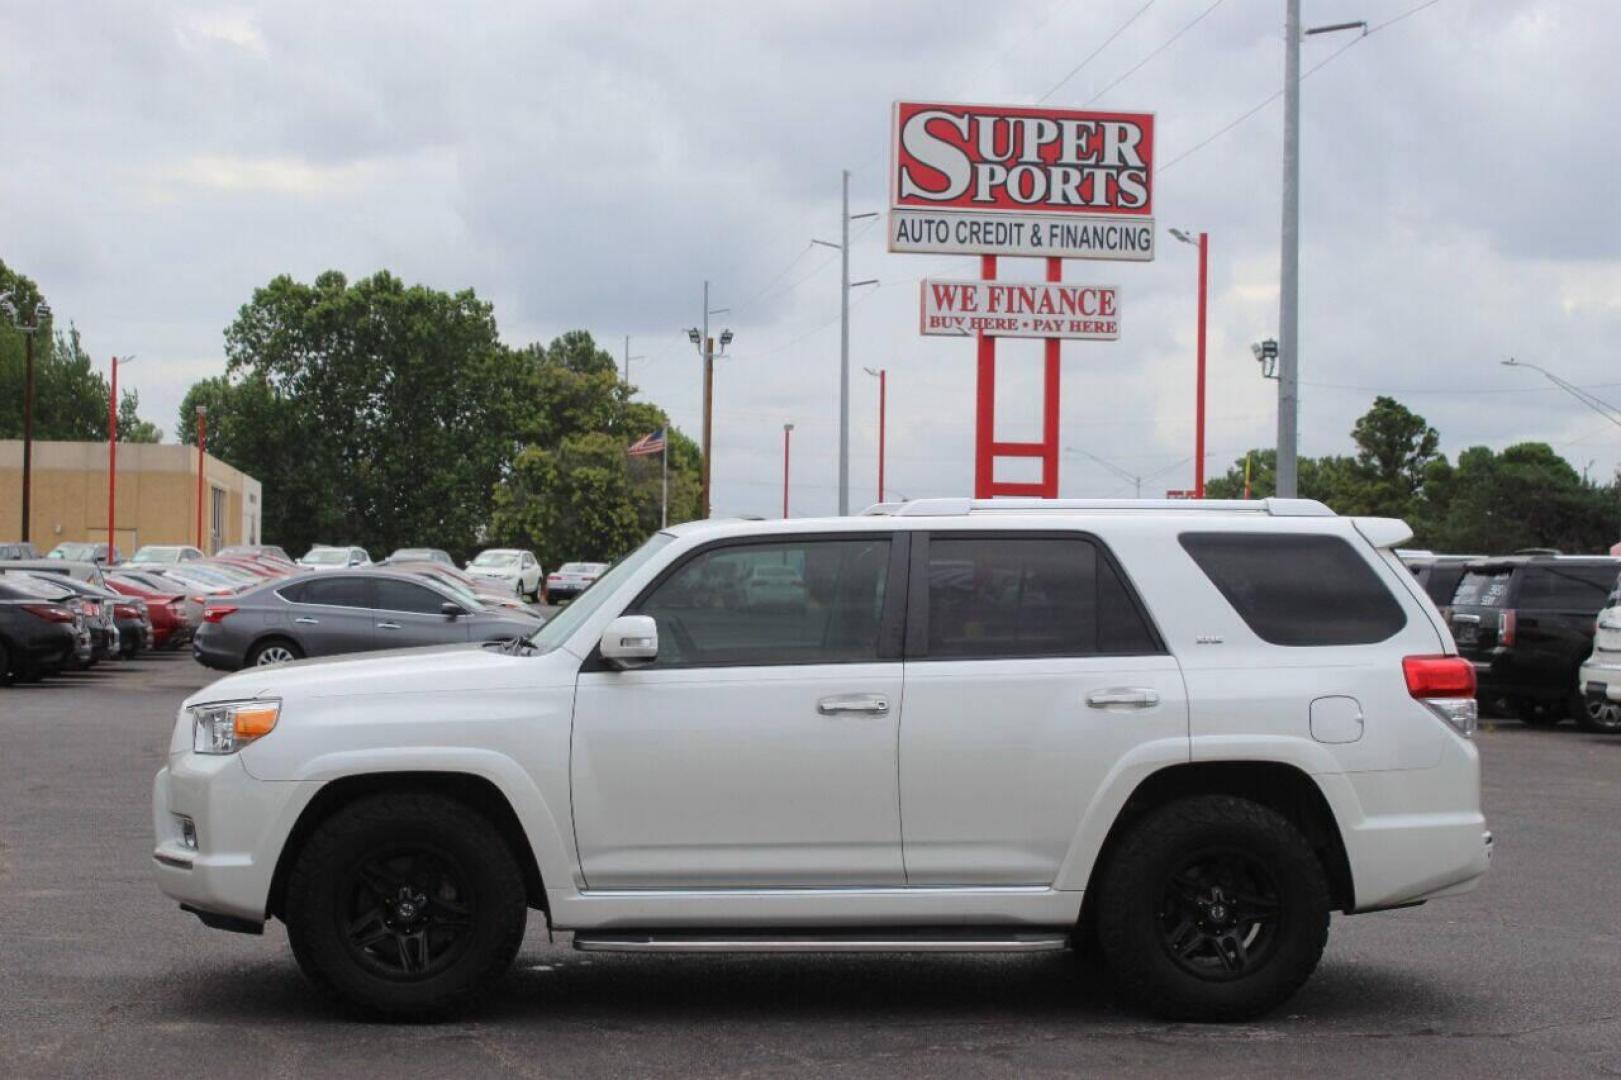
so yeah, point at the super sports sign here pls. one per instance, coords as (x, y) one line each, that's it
(1009, 180)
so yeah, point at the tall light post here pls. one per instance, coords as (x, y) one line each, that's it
(1592, 401)
(1203, 244)
(1289, 274)
(787, 434)
(882, 375)
(39, 316)
(112, 459)
(706, 349)
(202, 450)
(845, 285)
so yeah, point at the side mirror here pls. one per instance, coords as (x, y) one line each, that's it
(631, 641)
(451, 611)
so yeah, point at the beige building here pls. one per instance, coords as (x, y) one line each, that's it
(157, 496)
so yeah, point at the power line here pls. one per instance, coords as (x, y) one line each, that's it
(1308, 73)
(1093, 55)
(1165, 45)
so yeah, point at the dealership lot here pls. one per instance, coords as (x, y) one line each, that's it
(100, 975)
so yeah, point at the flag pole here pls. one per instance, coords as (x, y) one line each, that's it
(664, 469)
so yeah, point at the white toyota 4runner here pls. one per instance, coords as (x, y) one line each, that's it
(1177, 735)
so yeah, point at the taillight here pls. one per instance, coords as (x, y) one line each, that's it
(217, 613)
(1507, 623)
(125, 611)
(1446, 686)
(49, 612)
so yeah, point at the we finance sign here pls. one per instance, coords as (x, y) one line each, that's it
(1020, 309)
(1011, 180)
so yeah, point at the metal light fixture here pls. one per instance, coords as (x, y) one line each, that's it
(1266, 354)
(695, 337)
(725, 338)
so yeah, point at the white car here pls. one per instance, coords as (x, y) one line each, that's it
(328, 557)
(1600, 677)
(571, 579)
(518, 570)
(1184, 732)
(164, 554)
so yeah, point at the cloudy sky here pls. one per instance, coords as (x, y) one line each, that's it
(592, 164)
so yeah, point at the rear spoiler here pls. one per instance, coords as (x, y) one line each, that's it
(1383, 532)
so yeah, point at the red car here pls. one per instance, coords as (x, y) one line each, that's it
(171, 622)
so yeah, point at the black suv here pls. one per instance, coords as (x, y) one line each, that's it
(1439, 574)
(1527, 623)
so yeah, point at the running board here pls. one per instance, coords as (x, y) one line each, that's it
(933, 941)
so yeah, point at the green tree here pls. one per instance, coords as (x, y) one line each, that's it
(70, 395)
(1526, 496)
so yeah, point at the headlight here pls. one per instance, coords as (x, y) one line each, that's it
(228, 726)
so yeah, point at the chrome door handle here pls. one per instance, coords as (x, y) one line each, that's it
(1135, 697)
(388, 626)
(305, 620)
(869, 704)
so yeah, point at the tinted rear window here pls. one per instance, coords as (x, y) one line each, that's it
(1298, 589)
(1567, 587)
(1483, 588)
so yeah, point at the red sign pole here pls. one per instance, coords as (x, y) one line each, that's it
(1198, 422)
(112, 463)
(1049, 420)
(985, 419)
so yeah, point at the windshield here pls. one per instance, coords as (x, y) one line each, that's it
(156, 555)
(74, 552)
(412, 555)
(497, 558)
(563, 625)
(326, 557)
(1482, 588)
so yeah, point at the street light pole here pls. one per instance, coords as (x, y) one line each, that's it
(38, 317)
(112, 460)
(883, 408)
(629, 358)
(1289, 276)
(787, 433)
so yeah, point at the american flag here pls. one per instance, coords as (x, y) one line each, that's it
(648, 444)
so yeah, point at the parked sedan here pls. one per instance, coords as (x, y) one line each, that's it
(274, 551)
(324, 557)
(487, 592)
(517, 570)
(405, 555)
(17, 549)
(101, 629)
(38, 636)
(571, 579)
(131, 624)
(346, 611)
(167, 608)
(158, 554)
(78, 551)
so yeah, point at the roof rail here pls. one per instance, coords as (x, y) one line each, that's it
(957, 507)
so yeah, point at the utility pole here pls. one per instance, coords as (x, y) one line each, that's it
(38, 317)
(845, 285)
(1289, 278)
(1203, 244)
(628, 359)
(706, 349)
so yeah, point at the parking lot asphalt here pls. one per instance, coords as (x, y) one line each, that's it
(102, 976)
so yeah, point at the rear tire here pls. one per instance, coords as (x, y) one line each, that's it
(1598, 715)
(274, 651)
(1213, 908)
(406, 906)
(1537, 713)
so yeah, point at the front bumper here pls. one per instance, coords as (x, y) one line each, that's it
(240, 826)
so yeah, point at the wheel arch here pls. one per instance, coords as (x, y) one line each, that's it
(1282, 787)
(274, 634)
(478, 792)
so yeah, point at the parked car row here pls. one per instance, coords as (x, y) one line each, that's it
(53, 622)
(1542, 629)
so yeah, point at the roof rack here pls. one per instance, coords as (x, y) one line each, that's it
(957, 507)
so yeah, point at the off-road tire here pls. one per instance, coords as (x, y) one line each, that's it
(319, 899)
(1133, 903)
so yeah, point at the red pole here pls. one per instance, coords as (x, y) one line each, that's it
(985, 417)
(1198, 422)
(202, 448)
(1049, 408)
(787, 430)
(883, 407)
(112, 463)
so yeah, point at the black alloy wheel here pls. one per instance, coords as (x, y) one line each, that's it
(1221, 915)
(408, 911)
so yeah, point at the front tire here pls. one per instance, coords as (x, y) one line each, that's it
(1213, 908)
(407, 906)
